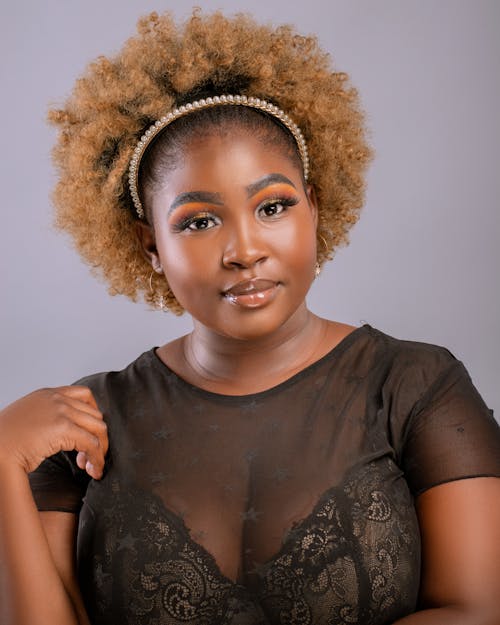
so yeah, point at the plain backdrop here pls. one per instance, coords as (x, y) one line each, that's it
(424, 259)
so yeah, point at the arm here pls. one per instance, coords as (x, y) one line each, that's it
(37, 580)
(460, 528)
(31, 587)
(61, 530)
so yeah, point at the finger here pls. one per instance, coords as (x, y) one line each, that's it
(83, 393)
(80, 406)
(93, 471)
(84, 416)
(81, 459)
(85, 464)
(97, 427)
(83, 441)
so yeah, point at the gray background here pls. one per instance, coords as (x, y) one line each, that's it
(424, 259)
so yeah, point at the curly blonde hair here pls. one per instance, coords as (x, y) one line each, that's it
(119, 97)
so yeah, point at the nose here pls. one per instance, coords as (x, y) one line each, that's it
(244, 247)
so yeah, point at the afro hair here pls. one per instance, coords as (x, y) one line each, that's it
(117, 98)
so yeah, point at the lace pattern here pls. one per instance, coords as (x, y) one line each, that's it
(342, 564)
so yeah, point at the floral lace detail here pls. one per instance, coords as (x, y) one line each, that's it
(347, 559)
(350, 562)
(153, 573)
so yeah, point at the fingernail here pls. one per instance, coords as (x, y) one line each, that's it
(89, 467)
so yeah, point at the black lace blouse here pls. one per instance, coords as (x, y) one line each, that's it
(289, 506)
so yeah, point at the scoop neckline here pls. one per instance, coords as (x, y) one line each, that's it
(340, 347)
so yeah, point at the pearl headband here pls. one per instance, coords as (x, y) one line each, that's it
(242, 100)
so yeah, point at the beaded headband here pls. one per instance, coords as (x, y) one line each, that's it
(185, 109)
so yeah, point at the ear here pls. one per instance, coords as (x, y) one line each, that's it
(313, 202)
(146, 235)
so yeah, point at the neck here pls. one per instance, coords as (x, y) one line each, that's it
(234, 365)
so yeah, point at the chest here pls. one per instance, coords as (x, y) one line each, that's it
(274, 507)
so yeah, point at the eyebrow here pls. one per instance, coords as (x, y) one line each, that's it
(196, 196)
(216, 198)
(265, 181)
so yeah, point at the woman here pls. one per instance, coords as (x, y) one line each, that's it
(270, 466)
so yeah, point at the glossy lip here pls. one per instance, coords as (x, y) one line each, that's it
(252, 293)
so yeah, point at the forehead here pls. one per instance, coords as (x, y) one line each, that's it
(227, 159)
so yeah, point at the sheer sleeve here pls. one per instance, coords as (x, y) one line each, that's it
(450, 433)
(59, 484)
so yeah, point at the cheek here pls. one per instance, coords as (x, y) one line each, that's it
(298, 242)
(187, 266)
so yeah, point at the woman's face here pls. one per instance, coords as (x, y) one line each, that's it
(235, 233)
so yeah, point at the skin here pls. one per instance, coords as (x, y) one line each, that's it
(232, 349)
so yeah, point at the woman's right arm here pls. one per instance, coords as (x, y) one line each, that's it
(37, 550)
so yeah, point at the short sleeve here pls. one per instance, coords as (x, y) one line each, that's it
(58, 484)
(450, 433)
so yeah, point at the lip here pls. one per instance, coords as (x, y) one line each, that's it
(252, 293)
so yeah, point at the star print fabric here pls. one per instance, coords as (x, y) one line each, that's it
(292, 506)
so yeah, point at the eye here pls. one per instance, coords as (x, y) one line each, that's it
(196, 222)
(276, 208)
(272, 209)
(201, 223)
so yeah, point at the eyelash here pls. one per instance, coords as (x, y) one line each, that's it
(285, 203)
(190, 220)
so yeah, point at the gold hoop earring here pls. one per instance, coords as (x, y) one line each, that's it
(323, 240)
(158, 301)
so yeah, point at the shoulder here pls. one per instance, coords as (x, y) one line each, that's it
(137, 374)
(408, 374)
(417, 361)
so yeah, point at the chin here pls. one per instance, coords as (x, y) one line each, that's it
(252, 325)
